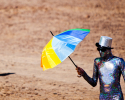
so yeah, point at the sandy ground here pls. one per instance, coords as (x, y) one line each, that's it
(25, 27)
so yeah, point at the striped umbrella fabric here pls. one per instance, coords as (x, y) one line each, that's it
(61, 46)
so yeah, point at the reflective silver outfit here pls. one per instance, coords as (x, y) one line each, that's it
(109, 73)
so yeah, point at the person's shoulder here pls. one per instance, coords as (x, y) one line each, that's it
(118, 58)
(97, 60)
(121, 59)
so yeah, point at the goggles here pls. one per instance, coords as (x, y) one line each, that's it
(103, 49)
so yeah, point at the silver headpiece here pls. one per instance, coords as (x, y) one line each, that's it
(105, 41)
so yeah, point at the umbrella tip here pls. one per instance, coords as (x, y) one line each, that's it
(51, 33)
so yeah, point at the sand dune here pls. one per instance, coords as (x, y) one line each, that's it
(24, 31)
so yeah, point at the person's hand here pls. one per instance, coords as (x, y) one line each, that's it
(80, 71)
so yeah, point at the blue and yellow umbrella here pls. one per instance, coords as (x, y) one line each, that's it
(61, 46)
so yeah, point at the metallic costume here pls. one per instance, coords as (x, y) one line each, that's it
(109, 73)
(108, 69)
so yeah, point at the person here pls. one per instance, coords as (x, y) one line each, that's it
(108, 68)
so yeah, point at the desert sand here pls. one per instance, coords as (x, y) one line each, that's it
(25, 27)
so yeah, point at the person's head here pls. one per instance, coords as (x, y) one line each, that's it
(104, 46)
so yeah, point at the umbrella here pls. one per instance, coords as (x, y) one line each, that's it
(61, 46)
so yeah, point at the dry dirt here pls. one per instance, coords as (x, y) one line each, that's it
(25, 27)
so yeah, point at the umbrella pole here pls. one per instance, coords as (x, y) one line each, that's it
(72, 61)
(75, 66)
(68, 56)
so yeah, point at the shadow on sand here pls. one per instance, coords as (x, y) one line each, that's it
(5, 74)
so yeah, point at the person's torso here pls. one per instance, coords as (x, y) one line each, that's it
(109, 76)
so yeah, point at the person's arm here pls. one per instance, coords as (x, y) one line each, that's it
(92, 81)
(122, 68)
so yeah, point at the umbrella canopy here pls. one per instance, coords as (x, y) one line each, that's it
(61, 46)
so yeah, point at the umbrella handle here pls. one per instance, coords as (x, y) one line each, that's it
(78, 76)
